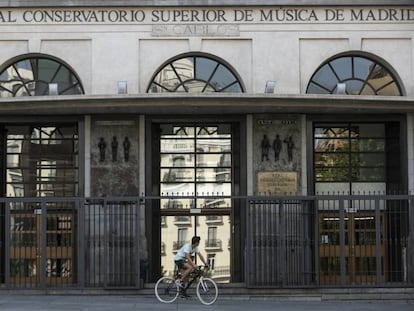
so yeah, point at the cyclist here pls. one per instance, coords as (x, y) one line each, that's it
(184, 262)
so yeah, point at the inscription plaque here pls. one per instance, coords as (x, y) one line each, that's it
(277, 183)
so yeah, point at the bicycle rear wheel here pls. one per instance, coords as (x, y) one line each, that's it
(166, 289)
(207, 291)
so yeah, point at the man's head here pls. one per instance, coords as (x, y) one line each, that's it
(195, 240)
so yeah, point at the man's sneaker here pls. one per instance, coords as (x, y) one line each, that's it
(180, 284)
(184, 294)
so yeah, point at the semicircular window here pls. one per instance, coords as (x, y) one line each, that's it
(32, 77)
(354, 75)
(195, 74)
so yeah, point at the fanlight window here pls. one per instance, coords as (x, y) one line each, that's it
(32, 76)
(195, 74)
(361, 76)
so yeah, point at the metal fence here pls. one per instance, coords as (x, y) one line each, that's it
(294, 241)
(69, 242)
(341, 240)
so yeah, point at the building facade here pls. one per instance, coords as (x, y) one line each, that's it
(280, 132)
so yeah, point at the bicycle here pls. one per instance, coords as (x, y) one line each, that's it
(167, 289)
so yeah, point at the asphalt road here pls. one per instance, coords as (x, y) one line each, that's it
(28, 302)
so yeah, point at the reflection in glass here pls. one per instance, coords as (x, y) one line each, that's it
(362, 76)
(198, 165)
(42, 161)
(31, 77)
(215, 245)
(353, 153)
(195, 74)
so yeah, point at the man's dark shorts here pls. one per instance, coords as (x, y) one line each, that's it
(180, 263)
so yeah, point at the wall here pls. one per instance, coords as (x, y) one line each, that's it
(119, 175)
(260, 43)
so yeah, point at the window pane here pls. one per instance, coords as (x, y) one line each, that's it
(332, 174)
(214, 174)
(368, 174)
(326, 77)
(47, 69)
(361, 75)
(195, 86)
(214, 160)
(184, 67)
(235, 88)
(389, 90)
(331, 145)
(213, 145)
(204, 68)
(177, 145)
(364, 145)
(33, 76)
(354, 87)
(222, 77)
(343, 67)
(367, 90)
(370, 130)
(331, 159)
(167, 78)
(177, 160)
(362, 67)
(177, 175)
(177, 188)
(195, 74)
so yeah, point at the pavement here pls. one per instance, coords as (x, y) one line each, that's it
(30, 302)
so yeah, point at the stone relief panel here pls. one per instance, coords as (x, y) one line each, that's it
(277, 154)
(114, 158)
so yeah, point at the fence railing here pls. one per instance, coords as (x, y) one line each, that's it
(291, 241)
(341, 240)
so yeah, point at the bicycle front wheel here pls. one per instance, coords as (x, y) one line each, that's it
(166, 289)
(207, 291)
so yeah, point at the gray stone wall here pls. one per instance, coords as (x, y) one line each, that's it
(277, 147)
(114, 158)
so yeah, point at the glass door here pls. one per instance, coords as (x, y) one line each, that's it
(359, 247)
(41, 161)
(196, 181)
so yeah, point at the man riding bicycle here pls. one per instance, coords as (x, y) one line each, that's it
(184, 261)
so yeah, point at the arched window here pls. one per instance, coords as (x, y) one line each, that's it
(31, 76)
(195, 74)
(360, 75)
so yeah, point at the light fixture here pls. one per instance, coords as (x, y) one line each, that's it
(53, 89)
(122, 87)
(341, 88)
(270, 86)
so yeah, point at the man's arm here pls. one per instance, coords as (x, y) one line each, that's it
(202, 259)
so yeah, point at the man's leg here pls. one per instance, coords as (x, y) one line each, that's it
(186, 269)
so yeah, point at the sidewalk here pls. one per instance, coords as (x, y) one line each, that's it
(17, 302)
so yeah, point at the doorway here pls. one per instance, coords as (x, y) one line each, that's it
(360, 247)
(195, 178)
(42, 244)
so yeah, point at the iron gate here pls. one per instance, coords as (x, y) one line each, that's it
(337, 240)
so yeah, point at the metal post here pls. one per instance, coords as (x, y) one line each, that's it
(378, 241)
(43, 244)
(248, 245)
(316, 239)
(342, 239)
(80, 207)
(105, 248)
(7, 243)
(282, 240)
(137, 240)
(410, 264)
